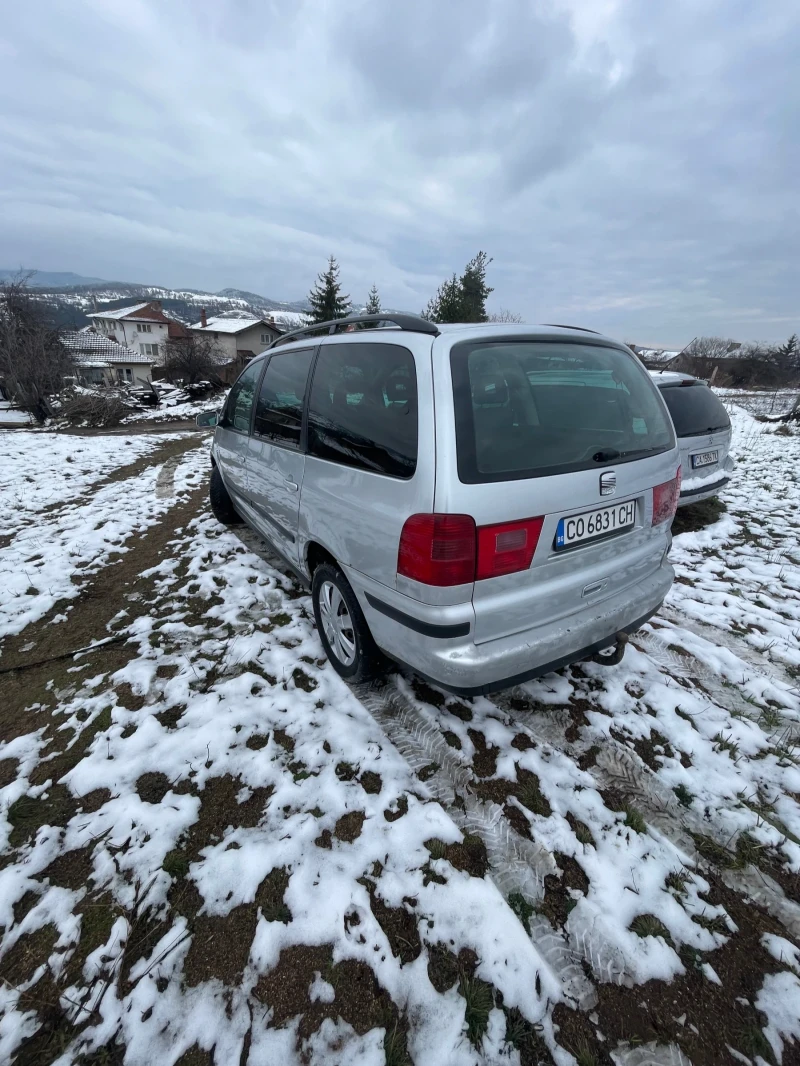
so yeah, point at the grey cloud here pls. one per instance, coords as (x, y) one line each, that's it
(634, 165)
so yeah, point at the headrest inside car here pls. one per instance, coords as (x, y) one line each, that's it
(489, 390)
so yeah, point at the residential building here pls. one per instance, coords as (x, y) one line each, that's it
(237, 338)
(143, 327)
(99, 360)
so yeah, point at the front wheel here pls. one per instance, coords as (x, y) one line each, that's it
(220, 500)
(342, 627)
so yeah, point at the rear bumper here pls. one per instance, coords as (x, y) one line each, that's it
(461, 666)
(703, 492)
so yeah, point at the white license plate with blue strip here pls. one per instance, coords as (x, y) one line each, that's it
(593, 524)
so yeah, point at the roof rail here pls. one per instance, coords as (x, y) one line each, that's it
(583, 329)
(411, 323)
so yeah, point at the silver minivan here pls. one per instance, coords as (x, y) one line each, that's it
(485, 503)
(703, 429)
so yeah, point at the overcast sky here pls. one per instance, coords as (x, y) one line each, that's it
(631, 165)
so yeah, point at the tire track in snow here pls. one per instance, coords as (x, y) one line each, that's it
(621, 768)
(165, 482)
(767, 668)
(517, 865)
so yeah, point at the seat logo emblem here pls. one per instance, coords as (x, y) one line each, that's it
(608, 483)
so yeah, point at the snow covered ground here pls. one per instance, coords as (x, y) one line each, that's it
(212, 850)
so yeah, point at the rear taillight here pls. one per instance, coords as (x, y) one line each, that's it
(447, 549)
(507, 547)
(438, 549)
(665, 499)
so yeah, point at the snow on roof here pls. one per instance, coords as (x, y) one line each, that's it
(96, 345)
(232, 325)
(119, 312)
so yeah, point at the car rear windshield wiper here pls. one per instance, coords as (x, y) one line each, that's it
(606, 455)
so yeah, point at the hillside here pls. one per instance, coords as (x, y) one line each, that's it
(71, 303)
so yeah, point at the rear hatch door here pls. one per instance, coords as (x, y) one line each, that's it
(570, 432)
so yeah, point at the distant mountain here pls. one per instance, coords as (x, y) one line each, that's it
(43, 279)
(263, 301)
(70, 304)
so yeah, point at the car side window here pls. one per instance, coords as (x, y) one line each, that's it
(362, 409)
(240, 399)
(279, 410)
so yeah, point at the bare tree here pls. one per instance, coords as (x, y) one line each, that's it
(710, 348)
(191, 359)
(505, 316)
(33, 361)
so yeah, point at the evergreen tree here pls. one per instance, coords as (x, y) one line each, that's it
(474, 290)
(326, 298)
(373, 302)
(462, 299)
(446, 304)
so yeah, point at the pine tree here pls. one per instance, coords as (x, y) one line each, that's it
(373, 302)
(446, 304)
(474, 290)
(326, 298)
(462, 299)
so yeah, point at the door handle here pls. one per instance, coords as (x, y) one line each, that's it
(292, 485)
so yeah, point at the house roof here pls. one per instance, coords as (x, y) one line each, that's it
(145, 312)
(94, 346)
(176, 331)
(233, 325)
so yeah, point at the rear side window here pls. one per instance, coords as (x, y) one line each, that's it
(279, 411)
(239, 407)
(536, 408)
(695, 410)
(363, 408)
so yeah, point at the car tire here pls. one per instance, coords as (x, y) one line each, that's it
(221, 503)
(342, 627)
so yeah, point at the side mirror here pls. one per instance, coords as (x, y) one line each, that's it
(207, 419)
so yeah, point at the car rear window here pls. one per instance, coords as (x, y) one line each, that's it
(695, 409)
(536, 408)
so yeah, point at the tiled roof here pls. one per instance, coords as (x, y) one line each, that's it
(95, 345)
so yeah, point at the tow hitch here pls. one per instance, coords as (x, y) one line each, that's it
(613, 655)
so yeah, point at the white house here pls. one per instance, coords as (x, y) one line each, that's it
(238, 338)
(99, 360)
(143, 327)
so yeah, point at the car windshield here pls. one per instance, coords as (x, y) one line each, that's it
(695, 409)
(535, 408)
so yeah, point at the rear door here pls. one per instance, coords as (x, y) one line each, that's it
(570, 433)
(370, 448)
(275, 461)
(231, 439)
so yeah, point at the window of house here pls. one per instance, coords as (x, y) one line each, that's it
(265, 338)
(150, 350)
(128, 373)
(362, 408)
(240, 399)
(145, 327)
(279, 411)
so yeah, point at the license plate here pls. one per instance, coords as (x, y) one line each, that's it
(593, 524)
(704, 459)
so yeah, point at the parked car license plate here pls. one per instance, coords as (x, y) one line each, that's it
(704, 459)
(597, 523)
